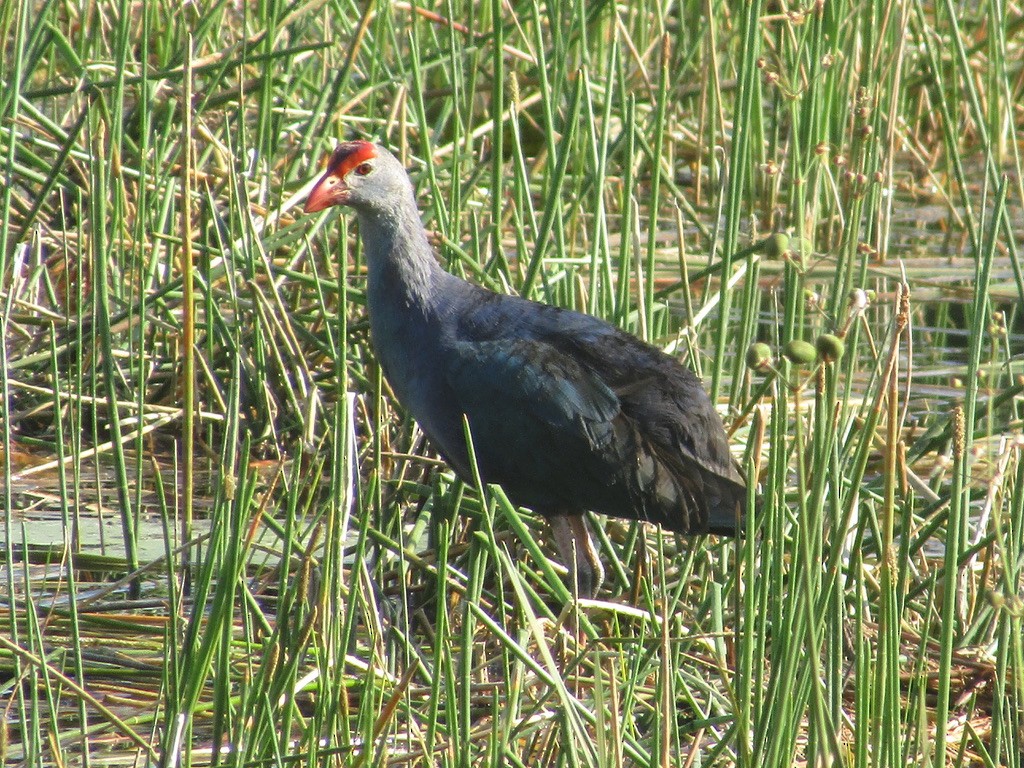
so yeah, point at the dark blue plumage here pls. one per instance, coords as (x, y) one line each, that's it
(567, 412)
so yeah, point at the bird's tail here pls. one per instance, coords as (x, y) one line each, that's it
(726, 505)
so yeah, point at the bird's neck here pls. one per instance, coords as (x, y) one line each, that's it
(402, 271)
(407, 303)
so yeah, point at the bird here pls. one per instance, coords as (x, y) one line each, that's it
(566, 412)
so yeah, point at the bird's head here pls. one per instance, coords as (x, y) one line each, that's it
(362, 175)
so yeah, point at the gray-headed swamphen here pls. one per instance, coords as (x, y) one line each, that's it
(567, 413)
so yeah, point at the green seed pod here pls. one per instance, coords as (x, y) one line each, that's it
(830, 348)
(759, 356)
(799, 352)
(776, 245)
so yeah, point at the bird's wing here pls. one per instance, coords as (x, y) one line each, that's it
(665, 399)
(685, 477)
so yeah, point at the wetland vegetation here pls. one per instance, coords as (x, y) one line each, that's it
(223, 542)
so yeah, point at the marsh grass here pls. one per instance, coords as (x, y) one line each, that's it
(225, 543)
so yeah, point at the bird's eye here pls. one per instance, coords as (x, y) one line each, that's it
(363, 169)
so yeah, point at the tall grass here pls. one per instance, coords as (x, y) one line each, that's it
(224, 542)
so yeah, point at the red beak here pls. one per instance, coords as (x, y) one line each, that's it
(330, 190)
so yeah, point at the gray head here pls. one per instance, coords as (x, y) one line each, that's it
(364, 176)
